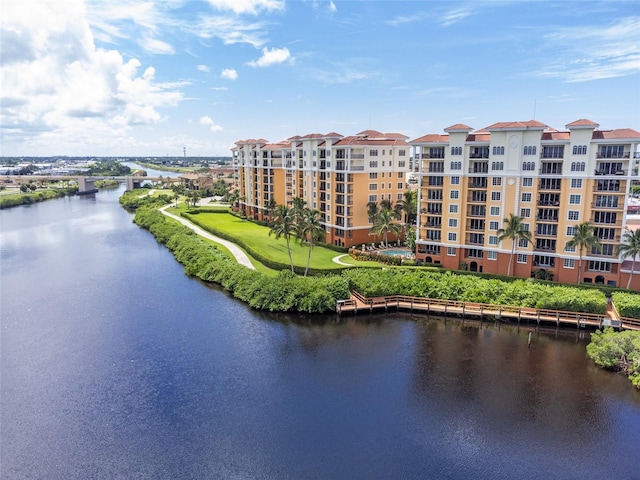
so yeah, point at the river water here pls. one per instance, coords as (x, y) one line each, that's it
(115, 365)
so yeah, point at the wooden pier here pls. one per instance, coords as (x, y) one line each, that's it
(358, 303)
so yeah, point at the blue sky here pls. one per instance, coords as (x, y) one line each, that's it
(144, 77)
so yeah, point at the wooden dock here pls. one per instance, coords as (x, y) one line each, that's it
(357, 303)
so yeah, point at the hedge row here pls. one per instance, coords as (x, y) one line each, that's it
(256, 254)
(286, 293)
(137, 198)
(628, 304)
(522, 293)
(7, 201)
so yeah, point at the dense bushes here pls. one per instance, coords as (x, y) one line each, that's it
(134, 199)
(286, 293)
(617, 351)
(628, 304)
(17, 199)
(523, 293)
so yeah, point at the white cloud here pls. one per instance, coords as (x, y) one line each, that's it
(332, 7)
(229, 74)
(57, 84)
(203, 68)
(589, 53)
(251, 7)
(206, 120)
(232, 30)
(454, 16)
(155, 46)
(271, 57)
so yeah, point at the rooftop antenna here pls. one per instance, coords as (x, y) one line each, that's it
(184, 152)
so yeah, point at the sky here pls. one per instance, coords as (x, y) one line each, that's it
(158, 78)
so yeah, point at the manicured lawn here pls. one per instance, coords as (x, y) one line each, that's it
(257, 238)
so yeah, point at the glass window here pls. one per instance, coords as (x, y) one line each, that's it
(574, 215)
(569, 263)
(526, 197)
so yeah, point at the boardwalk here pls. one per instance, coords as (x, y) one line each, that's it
(357, 303)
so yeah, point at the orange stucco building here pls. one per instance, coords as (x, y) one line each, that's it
(335, 174)
(470, 181)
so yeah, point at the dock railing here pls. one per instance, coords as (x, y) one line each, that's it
(474, 309)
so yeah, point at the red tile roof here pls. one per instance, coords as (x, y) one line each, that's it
(534, 124)
(458, 127)
(583, 122)
(431, 138)
(555, 135)
(618, 134)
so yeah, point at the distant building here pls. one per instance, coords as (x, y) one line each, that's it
(470, 181)
(337, 175)
(197, 181)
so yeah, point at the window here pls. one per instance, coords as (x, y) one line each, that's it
(400, 185)
(495, 196)
(373, 153)
(373, 198)
(571, 231)
(402, 153)
(452, 236)
(553, 151)
(373, 176)
(522, 258)
(493, 226)
(498, 151)
(399, 197)
(493, 240)
(456, 165)
(528, 166)
(373, 186)
(578, 166)
(451, 251)
(569, 263)
(496, 181)
(453, 208)
(455, 180)
(400, 174)
(527, 182)
(523, 243)
(453, 222)
(389, 186)
(573, 215)
(526, 197)
(373, 163)
(599, 266)
(569, 249)
(579, 150)
(456, 150)
(525, 212)
(492, 255)
(497, 165)
(575, 199)
(576, 183)
(454, 194)
(495, 211)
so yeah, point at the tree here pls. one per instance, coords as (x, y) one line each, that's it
(583, 237)
(283, 225)
(310, 230)
(270, 207)
(298, 205)
(630, 247)
(513, 230)
(384, 223)
(409, 205)
(372, 211)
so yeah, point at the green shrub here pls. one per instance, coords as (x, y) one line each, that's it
(617, 351)
(627, 304)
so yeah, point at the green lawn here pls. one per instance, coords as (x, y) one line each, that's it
(257, 238)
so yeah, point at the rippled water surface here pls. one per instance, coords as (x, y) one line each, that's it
(114, 364)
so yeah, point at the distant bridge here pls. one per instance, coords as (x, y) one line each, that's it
(86, 184)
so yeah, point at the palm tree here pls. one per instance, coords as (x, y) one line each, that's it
(583, 237)
(298, 204)
(409, 205)
(630, 247)
(372, 211)
(270, 206)
(515, 231)
(283, 225)
(311, 230)
(384, 223)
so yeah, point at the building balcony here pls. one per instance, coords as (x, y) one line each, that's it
(610, 172)
(614, 155)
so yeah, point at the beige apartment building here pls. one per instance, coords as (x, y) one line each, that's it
(470, 181)
(335, 174)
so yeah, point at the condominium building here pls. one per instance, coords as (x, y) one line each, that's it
(335, 174)
(470, 181)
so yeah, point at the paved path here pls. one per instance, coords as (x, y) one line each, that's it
(240, 256)
(339, 262)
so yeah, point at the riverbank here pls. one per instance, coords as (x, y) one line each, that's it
(8, 200)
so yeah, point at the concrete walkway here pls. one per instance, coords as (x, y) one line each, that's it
(239, 255)
(339, 262)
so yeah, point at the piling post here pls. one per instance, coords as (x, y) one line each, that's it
(529, 342)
